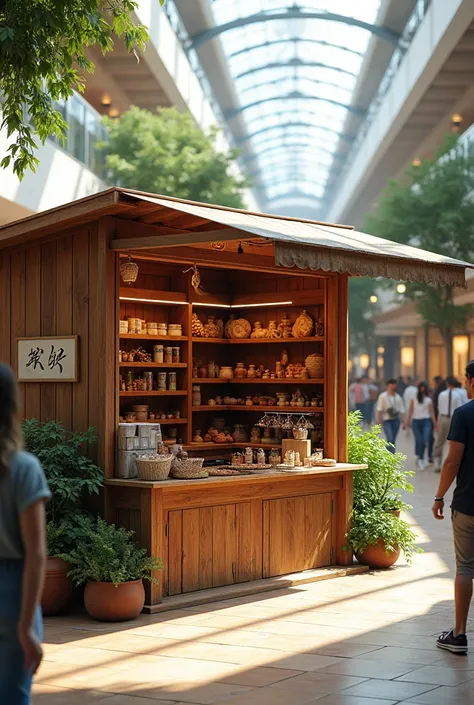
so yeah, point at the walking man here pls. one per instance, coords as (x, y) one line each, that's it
(459, 466)
(448, 402)
(391, 413)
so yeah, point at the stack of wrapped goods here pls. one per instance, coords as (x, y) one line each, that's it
(135, 439)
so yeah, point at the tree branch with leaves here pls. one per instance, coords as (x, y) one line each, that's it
(433, 208)
(43, 59)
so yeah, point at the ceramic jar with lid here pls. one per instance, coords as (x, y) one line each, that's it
(248, 456)
(175, 330)
(162, 329)
(240, 435)
(212, 370)
(252, 373)
(260, 456)
(226, 372)
(196, 395)
(240, 372)
(255, 435)
(158, 354)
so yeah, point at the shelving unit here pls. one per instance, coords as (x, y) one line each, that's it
(159, 338)
(254, 407)
(256, 380)
(166, 393)
(157, 365)
(258, 341)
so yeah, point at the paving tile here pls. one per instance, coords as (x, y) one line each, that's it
(438, 675)
(260, 676)
(340, 699)
(369, 669)
(133, 700)
(317, 682)
(445, 695)
(304, 662)
(397, 690)
(267, 696)
(44, 694)
(201, 694)
(418, 656)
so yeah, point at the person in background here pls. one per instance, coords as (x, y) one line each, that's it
(401, 385)
(372, 396)
(421, 416)
(23, 492)
(459, 466)
(410, 393)
(359, 395)
(462, 391)
(439, 385)
(448, 401)
(391, 413)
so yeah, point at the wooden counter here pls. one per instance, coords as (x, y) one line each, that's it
(226, 530)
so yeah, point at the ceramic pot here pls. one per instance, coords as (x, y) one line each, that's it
(58, 589)
(376, 556)
(251, 371)
(240, 435)
(108, 603)
(240, 372)
(203, 372)
(226, 372)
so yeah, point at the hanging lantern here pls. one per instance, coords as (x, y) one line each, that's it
(129, 271)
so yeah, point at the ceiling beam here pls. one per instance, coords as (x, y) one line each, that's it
(295, 40)
(294, 62)
(291, 124)
(294, 95)
(183, 239)
(292, 13)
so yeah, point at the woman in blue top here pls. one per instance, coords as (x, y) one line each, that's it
(23, 492)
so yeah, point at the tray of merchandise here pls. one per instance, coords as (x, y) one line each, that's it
(228, 470)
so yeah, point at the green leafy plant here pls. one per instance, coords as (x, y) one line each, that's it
(374, 525)
(105, 553)
(43, 58)
(166, 152)
(62, 537)
(384, 480)
(71, 475)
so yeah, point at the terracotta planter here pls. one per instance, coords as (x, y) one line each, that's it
(58, 589)
(395, 512)
(376, 556)
(108, 603)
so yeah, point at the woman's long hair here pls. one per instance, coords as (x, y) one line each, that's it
(10, 433)
(422, 392)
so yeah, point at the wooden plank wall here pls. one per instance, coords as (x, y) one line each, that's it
(65, 286)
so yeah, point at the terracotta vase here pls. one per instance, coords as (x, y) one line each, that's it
(108, 603)
(58, 589)
(376, 556)
(240, 372)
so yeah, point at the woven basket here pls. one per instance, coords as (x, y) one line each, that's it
(188, 469)
(153, 470)
(300, 434)
(315, 365)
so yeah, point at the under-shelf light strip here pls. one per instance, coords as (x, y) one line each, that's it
(199, 303)
(266, 303)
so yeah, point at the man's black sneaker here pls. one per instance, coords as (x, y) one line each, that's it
(455, 644)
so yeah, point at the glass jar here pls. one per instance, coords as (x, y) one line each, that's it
(196, 396)
(161, 381)
(172, 381)
(240, 435)
(260, 456)
(168, 355)
(248, 456)
(255, 435)
(158, 354)
(175, 355)
(274, 457)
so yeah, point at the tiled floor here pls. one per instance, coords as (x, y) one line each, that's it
(361, 640)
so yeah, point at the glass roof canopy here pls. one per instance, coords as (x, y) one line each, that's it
(295, 79)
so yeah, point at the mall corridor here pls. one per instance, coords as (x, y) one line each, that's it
(361, 640)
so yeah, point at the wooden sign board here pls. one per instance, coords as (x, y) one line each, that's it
(48, 359)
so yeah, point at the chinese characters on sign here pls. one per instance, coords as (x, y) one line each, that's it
(47, 359)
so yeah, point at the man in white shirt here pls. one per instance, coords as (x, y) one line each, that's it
(410, 393)
(391, 413)
(448, 401)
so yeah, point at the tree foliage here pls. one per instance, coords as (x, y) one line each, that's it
(361, 325)
(166, 152)
(43, 45)
(433, 208)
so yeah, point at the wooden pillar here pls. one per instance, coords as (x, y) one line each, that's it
(343, 509)
(153, 533)
(330, 371)
(342, 355)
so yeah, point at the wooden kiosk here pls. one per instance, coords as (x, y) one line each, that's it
(59, 277)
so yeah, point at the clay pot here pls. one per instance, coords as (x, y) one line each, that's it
(376, 556)
(58, 589)
(108, 603)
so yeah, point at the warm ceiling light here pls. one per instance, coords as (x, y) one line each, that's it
(106, 100)
(381, 350)
(461, 344)
(401, 288)
(114, 112)
(364, 361)
(373, 299)
(153, 301)
(271, 303)
(456, 119)
(408, 356)
(201, 303)
(416, 162)
(380, 361)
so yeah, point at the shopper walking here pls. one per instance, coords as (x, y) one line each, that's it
(422, 419)
(448, 401)
(410, 393)
(459, 466)
(391, 413)
(359, 395)
(23, 491)
(439, 385)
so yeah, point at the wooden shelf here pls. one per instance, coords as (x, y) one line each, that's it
(257, 380)
(177, 393)
(166, 422)
(211, 446)
(270, 409)
(262, 341)
(145, 365)
(145, 336)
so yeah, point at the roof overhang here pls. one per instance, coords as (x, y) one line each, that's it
(296, 243)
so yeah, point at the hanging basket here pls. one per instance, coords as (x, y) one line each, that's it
(129, 271)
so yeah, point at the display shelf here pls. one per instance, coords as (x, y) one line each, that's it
(145, 336)
(166, 422)
(257, 380)
(145, 365)
(270, 409)
(261, 341)
(211, 446)
(167, 393)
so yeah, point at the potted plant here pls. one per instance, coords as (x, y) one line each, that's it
(72, 477)
(113, 569)
(377, 534)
